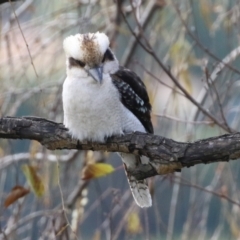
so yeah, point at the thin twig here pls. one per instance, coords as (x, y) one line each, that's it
(151, 6)
(213, 77)
(157, 79)
(218, 194)
(63, 205)
(176, 82)
(26, 219)
(172, 212)
(29, 53)
(200, 44)
(183, 121)
(18, 157)
(219, 103)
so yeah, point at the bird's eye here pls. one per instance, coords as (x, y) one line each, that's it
(108, 56)
(80, 63)
(76, 63)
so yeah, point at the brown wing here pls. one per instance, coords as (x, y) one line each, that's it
(134, 95)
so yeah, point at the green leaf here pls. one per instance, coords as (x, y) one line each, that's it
(33, 179)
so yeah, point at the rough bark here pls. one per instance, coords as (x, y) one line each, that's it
(166, 155)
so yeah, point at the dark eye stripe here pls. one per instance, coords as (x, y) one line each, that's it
(75, 63)
(108, 56)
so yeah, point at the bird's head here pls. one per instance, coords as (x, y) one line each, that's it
(90, 52)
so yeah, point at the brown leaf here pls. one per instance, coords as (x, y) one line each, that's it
(16, 193)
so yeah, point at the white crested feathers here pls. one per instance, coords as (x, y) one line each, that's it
(88, 48)
(111, 67)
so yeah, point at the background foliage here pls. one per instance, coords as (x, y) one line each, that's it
(198, 42)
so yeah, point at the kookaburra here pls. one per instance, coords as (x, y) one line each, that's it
(102, 99)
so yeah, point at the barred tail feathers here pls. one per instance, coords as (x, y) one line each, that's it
(139, 188)
(140, 192)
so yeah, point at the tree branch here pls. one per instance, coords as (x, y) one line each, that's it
(166, 155)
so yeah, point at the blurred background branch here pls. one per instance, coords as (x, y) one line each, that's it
(7, 1)
(190, 66)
